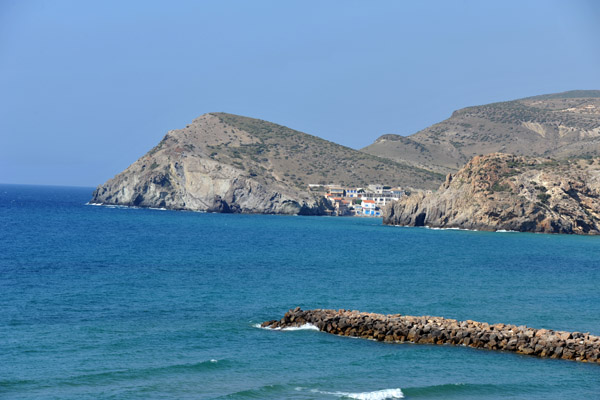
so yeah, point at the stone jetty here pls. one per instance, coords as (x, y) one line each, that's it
(397, 328)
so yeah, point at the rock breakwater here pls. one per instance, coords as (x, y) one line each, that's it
(397, 328)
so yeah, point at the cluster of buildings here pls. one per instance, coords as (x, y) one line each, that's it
(367, 201)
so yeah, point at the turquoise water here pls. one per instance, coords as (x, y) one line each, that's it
(101, 302)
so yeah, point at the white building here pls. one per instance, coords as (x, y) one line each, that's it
(370, 208)
(352, 192)
(376, 188)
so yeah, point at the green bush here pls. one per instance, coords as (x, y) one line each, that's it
(543, 197)
(497, 187)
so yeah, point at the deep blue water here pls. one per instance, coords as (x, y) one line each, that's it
(99, 302)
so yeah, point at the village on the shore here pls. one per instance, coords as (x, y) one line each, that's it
(356, 201)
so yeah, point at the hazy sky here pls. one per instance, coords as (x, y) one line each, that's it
(87, 87)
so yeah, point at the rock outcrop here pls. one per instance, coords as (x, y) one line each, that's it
(508, 192)
(398, 328)
(201, 184)
(184, 173)
(228, 163)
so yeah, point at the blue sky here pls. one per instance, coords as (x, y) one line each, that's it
(88, 87)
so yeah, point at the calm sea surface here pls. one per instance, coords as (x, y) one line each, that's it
(100, 303)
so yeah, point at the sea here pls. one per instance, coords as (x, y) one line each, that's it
(100, 302)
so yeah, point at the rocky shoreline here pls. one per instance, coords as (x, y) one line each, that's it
(397, 328)
(508, 192)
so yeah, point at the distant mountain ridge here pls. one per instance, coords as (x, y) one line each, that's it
(571, 94)
(229, 163)
(559, 125)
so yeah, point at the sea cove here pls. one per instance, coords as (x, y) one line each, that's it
(138, 303)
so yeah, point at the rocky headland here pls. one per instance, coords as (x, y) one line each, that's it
(509, 192)
(229, 163)
(398, 328)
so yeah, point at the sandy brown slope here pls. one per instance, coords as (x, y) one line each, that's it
(298, 159)
(559, 125)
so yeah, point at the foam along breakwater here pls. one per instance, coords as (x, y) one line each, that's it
(396, 328)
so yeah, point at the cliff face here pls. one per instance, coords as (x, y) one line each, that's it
(199, 184)
(184, 173)
(560, 125)
(508, 192)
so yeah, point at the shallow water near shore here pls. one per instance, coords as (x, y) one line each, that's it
(106, 303)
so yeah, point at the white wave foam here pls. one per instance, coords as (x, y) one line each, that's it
(375, 395)
(305, 327)
(108, 205)
(124, 207)
(214, 361)
(435, 228)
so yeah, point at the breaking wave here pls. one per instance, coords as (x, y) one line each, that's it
(305, 327)
(435, 228)
(375, 395)
(125, 207)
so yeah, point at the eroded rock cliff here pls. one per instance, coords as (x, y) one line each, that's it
(508, 192)
(184, 172)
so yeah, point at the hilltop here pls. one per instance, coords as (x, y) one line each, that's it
(559, 125)
(229, 163)
(508, 192)
(299, 159)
